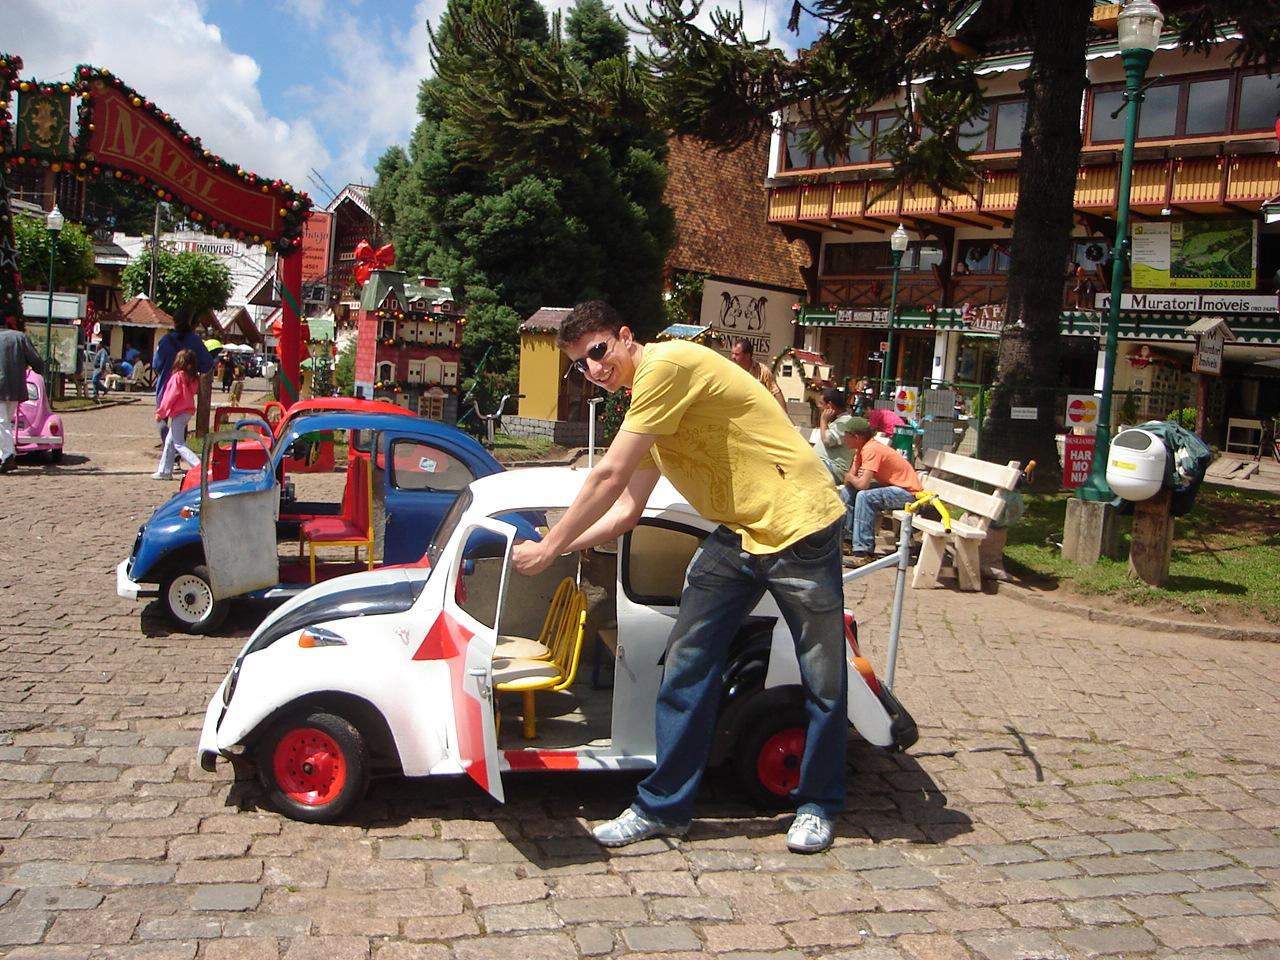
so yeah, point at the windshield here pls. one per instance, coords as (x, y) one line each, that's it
(447, 525)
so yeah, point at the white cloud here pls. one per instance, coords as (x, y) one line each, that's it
(172, 56)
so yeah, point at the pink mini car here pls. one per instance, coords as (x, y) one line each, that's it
(36, 426)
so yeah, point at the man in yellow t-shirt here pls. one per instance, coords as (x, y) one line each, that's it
(706, 425)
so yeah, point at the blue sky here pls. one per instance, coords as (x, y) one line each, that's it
(282, 87)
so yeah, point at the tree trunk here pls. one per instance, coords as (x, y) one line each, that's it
(1031, 344)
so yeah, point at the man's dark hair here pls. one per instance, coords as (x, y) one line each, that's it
(181, 325)
(743, 344)
(835, 396)
(587, 318)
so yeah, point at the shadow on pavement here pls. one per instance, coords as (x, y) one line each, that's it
(891, 797)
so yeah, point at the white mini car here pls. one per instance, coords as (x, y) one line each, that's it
(401, 670)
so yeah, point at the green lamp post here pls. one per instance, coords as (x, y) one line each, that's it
(1138, 26)
(897, 247)
(53, 223)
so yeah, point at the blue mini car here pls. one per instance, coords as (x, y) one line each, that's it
(251, 536)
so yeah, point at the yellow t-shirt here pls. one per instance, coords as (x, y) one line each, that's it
(726, 445)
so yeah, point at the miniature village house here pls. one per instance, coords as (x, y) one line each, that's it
(408, 344)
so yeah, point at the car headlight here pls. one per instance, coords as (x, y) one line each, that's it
(232, 679)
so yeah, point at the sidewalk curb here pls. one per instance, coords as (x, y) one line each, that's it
(1213, 630)
(122, 402)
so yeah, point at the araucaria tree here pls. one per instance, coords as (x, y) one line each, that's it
(535, 175)
(725, 88)
(187, 283)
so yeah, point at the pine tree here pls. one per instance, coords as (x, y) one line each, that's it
(535, 175)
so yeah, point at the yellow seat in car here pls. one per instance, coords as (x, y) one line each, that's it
(527, 648)
(562, 635)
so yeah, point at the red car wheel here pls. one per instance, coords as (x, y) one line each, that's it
(314, 766)
(766, 759)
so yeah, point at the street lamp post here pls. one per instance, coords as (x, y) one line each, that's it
(1138, 26)
(897, 247)
(53, 223)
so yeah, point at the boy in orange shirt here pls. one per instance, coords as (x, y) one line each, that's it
(880, 479)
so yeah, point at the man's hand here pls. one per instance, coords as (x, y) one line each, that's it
(530, 557)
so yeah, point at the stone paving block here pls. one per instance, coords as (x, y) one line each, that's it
(1015, 945)
(828, 931)
(519, 916)
(932, 948)
(413, 951)
(1228, 903)
(556, 946)
(93, 926)
(1112, 940)
(405, 849)
(328, 948)
(170, 950)
(426, 902)
(593, 941)
(1136, 842)
(266, 925)
(895, 924)
(573, 888)
(212, 847)
(601, 910)
(49, 874)
(233, 897)
(870, 858)
(900, 878)
(243, 948)
(1004, 853)
(60, 898)
(1183, 932)
(691, 908)
(1232, 877)
(726, 937)
(1041, 916)
(22, 926)
(46, 952)
(1125, 885)
(180, 928)
(131, 874)
(1042, 870)
(220, 871)
(664, 939)
(441, 928)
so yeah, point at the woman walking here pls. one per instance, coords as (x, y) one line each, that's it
(177, 404)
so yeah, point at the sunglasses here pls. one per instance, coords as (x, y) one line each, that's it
(596, 352)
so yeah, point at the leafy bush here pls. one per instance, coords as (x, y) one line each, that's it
(344, 371)
(1184, 417)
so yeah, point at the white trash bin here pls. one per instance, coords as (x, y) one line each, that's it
(1135, 464)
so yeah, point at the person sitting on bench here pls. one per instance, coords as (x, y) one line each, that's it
(880, 479)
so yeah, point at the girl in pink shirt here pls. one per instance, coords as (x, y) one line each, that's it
(177, 404)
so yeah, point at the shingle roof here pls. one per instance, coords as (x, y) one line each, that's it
(721, 223)
(141, 312)
(545, 320)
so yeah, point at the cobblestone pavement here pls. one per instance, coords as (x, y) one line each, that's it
(1079, 790)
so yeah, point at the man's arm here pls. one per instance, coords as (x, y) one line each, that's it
(777, 394)
(604, 487)
(33, 359)
(859, 477)
(623, 515)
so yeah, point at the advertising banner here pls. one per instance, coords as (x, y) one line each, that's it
(1082, 411)
(1196, 255)
(1077, 458)
(762, 316)
(316, 232)
(906, 402)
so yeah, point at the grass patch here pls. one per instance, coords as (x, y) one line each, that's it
(508, 448)
(1223, 559)
(71, 403)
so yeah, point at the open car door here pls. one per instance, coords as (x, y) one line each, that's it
(238, 526)
(474, 594)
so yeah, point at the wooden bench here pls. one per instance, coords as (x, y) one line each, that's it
(952, 478)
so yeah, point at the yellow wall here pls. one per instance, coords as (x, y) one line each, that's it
(541, 367)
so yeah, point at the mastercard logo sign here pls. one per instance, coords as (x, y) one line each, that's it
(1083, 412)
(906, 401)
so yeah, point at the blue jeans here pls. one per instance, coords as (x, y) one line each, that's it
(98, 387)
(725, 584)
(861, 516)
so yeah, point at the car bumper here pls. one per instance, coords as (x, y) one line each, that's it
(207, 752)
(129, 588)
(26, 444)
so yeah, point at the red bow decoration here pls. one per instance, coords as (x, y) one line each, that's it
(369, 260)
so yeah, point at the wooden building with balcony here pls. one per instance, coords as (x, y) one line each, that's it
(1205, 165)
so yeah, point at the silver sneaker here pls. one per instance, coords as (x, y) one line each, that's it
(632, 826)
(809, 833)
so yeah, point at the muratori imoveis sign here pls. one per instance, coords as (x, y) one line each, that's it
(1215, 303)
(132, 139)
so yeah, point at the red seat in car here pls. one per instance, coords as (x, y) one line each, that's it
(353, 527)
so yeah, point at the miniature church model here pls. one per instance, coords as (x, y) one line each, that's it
(408, 344)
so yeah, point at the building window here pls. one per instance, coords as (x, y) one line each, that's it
(1194, 106)
(415, 371)
(863, 258)
(386, 329)
(386, 371)
(1259, 102)
(983, 256)
(450, 374)
(999, 128)
(861, 147)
